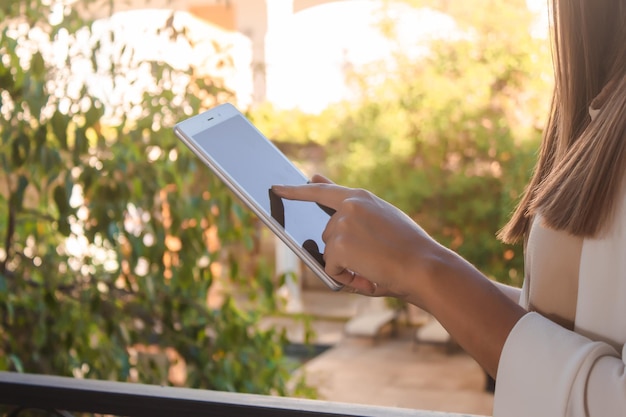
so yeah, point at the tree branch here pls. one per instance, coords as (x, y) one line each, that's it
(8, 239)
(39, 215)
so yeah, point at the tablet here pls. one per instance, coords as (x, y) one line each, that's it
(249, 164)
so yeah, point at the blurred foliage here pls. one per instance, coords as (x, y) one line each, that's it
(449, 137)
(113, 235)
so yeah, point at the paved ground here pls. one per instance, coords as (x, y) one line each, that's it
(393, 371)
(399, 373)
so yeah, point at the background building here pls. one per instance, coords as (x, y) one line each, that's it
(293, 53)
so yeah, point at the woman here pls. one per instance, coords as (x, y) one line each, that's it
(556, 348)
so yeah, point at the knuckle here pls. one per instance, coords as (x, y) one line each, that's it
(350, 205)
(342, 227)
(359, 198)
(341, 243)
(361, 193)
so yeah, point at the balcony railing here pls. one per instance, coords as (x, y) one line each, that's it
(61, 394)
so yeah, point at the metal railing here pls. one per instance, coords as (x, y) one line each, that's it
(60, 395)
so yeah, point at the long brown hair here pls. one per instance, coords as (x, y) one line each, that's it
(582, 162)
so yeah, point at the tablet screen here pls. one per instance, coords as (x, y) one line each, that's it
(255, 164)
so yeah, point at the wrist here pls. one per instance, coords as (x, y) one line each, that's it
(430, 274)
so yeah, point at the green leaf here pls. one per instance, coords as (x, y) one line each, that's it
(17, 197)
(10, 312)
(64, 226)
(59, 128)
(20, 150)
(94, 114)
(37, 66)
(17, 363)
(81, 144)
(62, 200)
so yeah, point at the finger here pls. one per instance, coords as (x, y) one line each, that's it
(374, 291)
(360, 285)
(355, 283)
(329, 195)
(346, 277)
(320, 179)
(349, 289)
(365, 286)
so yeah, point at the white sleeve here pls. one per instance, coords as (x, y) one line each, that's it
(512, 293)
(546, 370)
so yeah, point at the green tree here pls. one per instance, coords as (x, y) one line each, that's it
(113, 234)
(449, 137)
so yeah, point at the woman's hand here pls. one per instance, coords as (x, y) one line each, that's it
(391, 255)
(372, 247)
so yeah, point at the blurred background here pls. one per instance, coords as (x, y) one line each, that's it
(122, 257)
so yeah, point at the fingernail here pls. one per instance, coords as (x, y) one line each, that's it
(278, 189)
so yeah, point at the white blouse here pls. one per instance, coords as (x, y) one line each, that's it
(551, 269)
(566, 357)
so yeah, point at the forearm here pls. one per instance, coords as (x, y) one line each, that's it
(474, 311)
